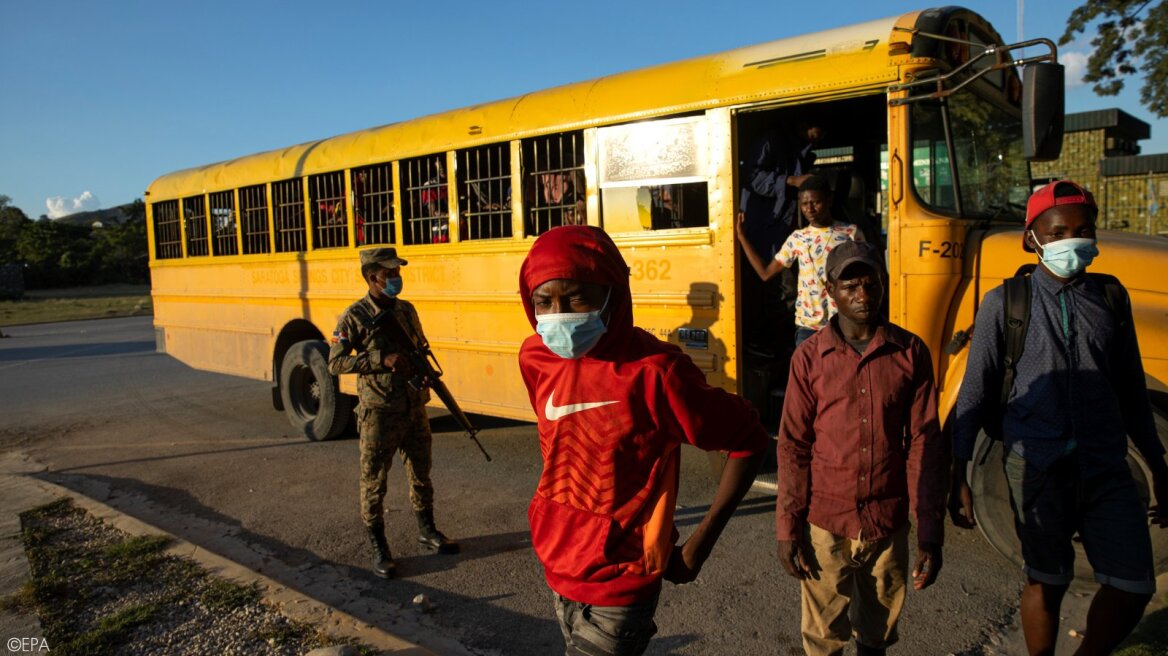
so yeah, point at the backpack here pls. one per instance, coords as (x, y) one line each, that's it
(1017, 311)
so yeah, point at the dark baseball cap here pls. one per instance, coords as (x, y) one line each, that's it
(850, 252)
(386, 257)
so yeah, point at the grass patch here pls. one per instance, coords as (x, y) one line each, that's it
(110, 632)
(21, 602)
(138, 546)
(1149, 639)
(98, 591)
(44, 306)
(221, 594)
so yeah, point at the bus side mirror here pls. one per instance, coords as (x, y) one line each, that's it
(1043, 100)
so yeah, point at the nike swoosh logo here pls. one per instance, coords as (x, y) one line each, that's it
(554, 412)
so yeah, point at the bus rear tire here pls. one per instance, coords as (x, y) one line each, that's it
(995, 518)
(312, 398)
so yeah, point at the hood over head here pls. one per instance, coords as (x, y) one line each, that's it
(587, 254)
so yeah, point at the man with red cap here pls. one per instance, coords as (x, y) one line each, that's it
(614, 404)
(1078, 393)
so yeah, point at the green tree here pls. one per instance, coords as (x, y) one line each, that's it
(1131, 38)
(12, 222)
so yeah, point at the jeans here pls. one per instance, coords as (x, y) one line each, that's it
(606, 630)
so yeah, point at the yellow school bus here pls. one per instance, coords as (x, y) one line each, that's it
(929, 126)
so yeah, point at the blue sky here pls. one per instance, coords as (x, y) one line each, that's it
(100, 98)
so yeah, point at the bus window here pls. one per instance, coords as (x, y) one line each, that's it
(167, 236)
(194, 210)
(427, 210)
(553, 182)
(373, 204)
(652, 175)
(253, 206)
(656, 207)
(223, 223)
(327, 201)
(484, 192)
(931, 174)
(288, 207)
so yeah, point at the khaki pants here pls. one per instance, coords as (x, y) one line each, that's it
(857, 589)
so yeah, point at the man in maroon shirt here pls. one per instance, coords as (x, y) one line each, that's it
(858, 445)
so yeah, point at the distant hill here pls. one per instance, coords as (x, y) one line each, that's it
(113, 215)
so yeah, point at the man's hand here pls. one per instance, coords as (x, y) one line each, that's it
(792, 557)
(1158, 514)
(740, 224)
(797, 181)
(397, 363)
(928, 565)
(683, 567)
(961, 502)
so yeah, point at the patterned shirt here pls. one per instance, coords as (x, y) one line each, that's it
(809, 248)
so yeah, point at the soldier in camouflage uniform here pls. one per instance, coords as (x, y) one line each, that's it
(390, 414)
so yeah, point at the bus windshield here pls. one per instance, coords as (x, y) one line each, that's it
(992, 175)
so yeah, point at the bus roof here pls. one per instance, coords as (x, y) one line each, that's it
(843, 59)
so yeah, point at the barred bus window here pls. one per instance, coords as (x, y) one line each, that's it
(167, 236)
(373, 204)
(553, 175)
(288, 210)
(223, 224)
(484, 192)
(195, 213)
(253, 208)
(327, 200)
(427, 211)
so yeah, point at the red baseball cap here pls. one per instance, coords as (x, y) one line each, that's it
(1045, 198)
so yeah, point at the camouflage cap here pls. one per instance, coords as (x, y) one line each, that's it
(386, 257)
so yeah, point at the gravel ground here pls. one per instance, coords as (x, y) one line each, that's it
(97, 590)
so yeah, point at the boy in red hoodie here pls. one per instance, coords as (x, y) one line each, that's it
(614, 404)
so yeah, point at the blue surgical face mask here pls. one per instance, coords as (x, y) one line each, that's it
(571, 334)
(1067, 258)
(393, 287)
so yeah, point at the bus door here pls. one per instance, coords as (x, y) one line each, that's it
(851, 153)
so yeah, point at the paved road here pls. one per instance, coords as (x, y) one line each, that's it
(206, 456)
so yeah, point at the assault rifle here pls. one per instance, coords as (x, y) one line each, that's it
(426, 370)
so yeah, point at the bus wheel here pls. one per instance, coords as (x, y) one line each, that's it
(312, 398)
(995, 518)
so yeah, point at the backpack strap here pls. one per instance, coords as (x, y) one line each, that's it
(1017, 305)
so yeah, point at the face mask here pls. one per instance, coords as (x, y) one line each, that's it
(393, 287)
(571, 334)
(1067, 258)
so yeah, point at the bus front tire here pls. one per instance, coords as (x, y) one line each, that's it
(312, 398)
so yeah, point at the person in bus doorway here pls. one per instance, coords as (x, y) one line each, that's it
(808, 249)
(1078, 393)
(859, 447)
(391, 415)
(614, 405)
(768, 209)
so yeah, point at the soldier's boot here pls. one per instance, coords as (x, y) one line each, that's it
(383, 564)
(430, 536)
(865, 650)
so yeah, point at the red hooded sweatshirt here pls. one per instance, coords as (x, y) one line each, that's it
(610, 427)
